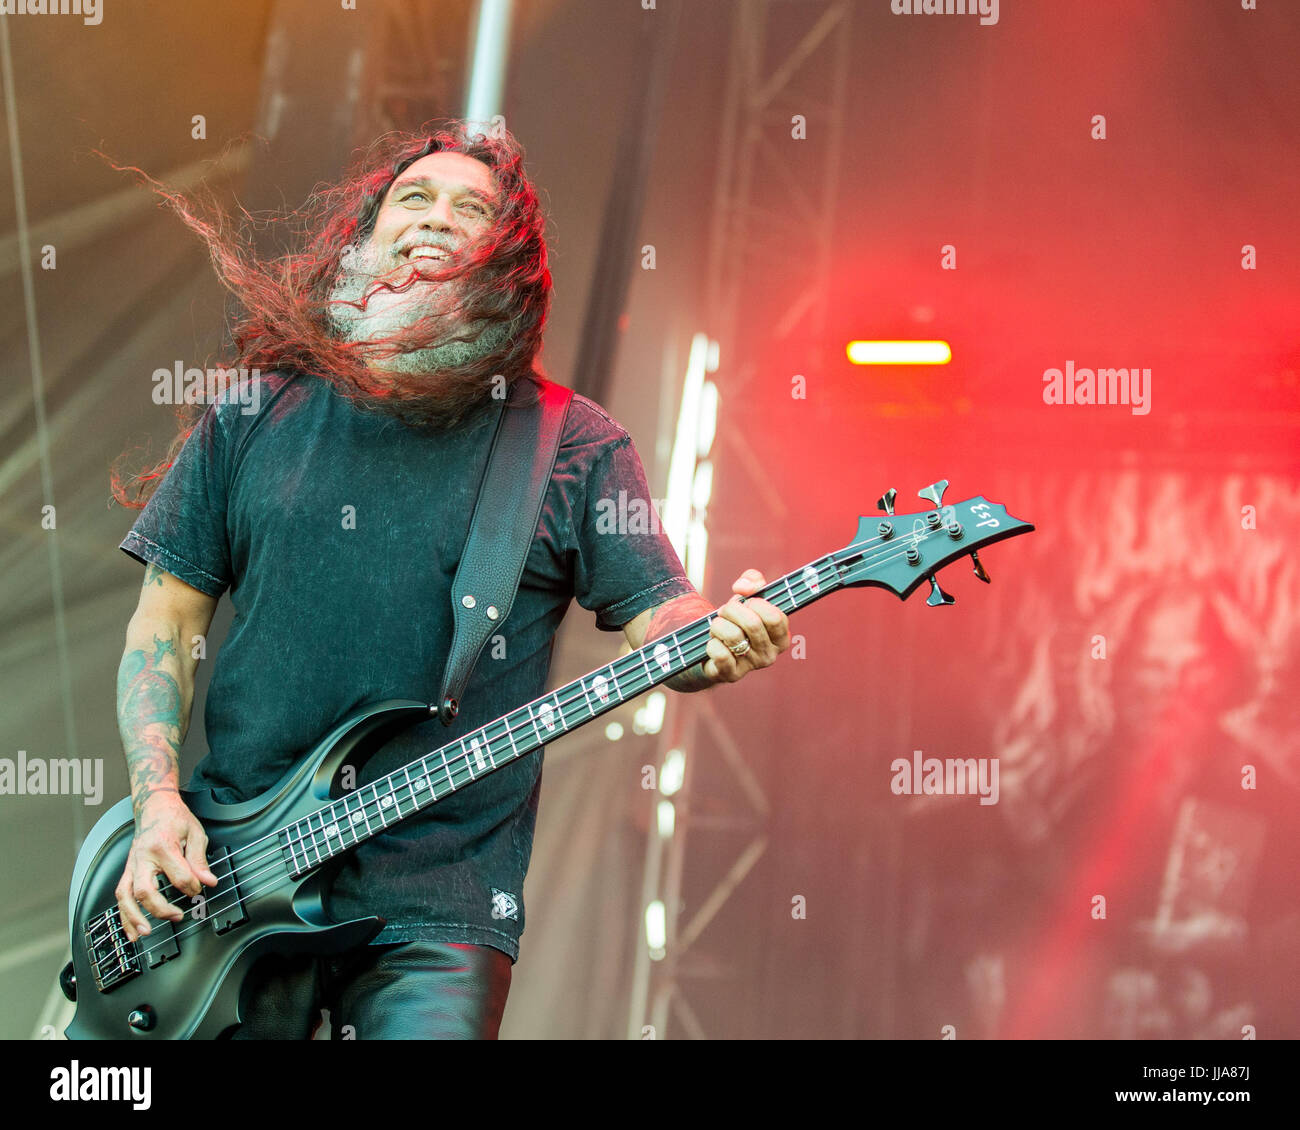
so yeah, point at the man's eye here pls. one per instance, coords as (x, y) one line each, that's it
(475, 205)
(412, 196)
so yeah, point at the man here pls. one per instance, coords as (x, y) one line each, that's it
(335, 512)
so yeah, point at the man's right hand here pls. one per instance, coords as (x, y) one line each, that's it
(169, 840)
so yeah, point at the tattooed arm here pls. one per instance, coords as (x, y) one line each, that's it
(764, 625)
(155, 692)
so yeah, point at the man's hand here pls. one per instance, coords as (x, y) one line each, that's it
(168, 840)
(763, 625)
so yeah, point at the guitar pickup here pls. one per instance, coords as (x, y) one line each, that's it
(226, 894)
(161, 944)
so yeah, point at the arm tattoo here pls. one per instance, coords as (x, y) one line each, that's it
(670, 616)
(149, 709)
(153, 575)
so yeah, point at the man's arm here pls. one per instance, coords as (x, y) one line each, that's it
(155, 693)
(764, 625)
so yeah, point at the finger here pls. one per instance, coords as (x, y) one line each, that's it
(739, 618)
(133, 921)
(146, 892)
(179, 873)
(196, 846)
(774, 620)
(751, 580)
(761, 651)
(727, 666)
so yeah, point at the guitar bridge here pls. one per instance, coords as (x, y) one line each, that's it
(113, 957)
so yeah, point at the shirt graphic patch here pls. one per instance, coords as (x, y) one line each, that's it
(504, 905)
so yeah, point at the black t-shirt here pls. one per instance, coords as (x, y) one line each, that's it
(338, 533)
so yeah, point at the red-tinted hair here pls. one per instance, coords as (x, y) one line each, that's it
(281, 318)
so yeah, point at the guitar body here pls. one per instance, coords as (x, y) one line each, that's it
(191, 973)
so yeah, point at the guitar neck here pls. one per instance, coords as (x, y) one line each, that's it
(370, 809)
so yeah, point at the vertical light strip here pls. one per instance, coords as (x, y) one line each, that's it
(487, 76)
(681, 469)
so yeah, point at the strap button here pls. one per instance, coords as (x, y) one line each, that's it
(467, 601)
(492, 612)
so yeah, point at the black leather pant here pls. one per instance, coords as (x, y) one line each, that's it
(406, 991)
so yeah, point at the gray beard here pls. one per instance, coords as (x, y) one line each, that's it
(386, 313)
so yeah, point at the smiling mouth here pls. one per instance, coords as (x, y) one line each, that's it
(427, 252)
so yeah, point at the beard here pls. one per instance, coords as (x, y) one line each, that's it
(423, 380)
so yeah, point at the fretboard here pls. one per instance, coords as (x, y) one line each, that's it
(368, 810)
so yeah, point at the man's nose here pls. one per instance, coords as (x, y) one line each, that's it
(439, 217)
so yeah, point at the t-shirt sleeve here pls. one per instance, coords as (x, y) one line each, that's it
(624, 562)
(182, 528)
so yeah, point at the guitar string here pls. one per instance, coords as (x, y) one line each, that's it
(690, 639)
(891, 552)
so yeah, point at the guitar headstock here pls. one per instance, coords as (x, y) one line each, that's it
(901, 551)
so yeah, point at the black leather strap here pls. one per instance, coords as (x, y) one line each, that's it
(506, 515)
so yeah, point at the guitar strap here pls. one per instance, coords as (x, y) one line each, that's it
(506, 514)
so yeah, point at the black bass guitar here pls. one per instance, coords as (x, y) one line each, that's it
(273, 854)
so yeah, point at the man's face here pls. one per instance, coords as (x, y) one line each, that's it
(433, 210)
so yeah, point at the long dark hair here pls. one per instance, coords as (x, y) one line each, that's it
(281, 318)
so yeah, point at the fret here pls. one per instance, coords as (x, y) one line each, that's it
(476, 744)
(293, 853)
(586, 696)
(678, 645)
(406, 772)
(321, 839)
(465, 754)
(385, 803)
(304, 847)
(365, 818)
(533, 719)
(420, 784)
(311, 838)
(786, 581)
(355, 817)
(510, 734)
(561, 720)
(447, 769)
(332, 831)
(645, 664)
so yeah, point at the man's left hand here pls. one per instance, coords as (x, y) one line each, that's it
(754, 621)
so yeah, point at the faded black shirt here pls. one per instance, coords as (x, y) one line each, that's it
(338, 533)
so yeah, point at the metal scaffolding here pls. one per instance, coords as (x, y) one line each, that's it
(748, 237)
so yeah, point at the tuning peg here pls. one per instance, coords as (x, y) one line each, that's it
(979, 567)
(934, 492)
(937, 595)
(886, 503)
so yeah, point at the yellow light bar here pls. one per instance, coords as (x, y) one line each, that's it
(899, 352)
